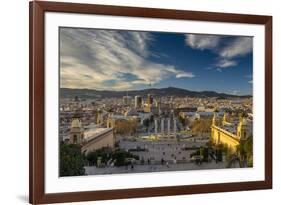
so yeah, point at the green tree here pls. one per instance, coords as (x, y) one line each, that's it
(120, 156)
(92, 158)
(72, 161)
(106, 154)
(245, 152)
(126, 127)
(182, 120)
(146, 122)
(201, 126)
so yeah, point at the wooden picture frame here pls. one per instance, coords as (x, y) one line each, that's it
(37, 11)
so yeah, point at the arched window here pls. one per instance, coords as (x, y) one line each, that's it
(75, 139)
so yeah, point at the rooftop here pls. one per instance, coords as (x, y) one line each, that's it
(94, 131)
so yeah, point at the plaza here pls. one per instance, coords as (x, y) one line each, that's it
(158, 156)
(92, 170)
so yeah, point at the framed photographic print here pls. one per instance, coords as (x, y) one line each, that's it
(139, 102)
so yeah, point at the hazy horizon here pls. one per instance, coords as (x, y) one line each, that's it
(152, 89)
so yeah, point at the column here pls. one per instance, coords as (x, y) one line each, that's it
(169, 124)
(175, 126)
(162, 125)
(156, 126)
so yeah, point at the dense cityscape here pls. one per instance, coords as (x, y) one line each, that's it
(153, 133)
(153, 101)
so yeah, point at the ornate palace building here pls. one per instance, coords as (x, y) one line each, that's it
(90, 137)
(230, 133)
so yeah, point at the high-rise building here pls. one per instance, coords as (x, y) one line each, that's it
(149, 99)
(138, 101)
(126, 100)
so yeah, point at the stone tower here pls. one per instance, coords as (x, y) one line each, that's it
(111, 123)
(242, 129)
(76, 132)
(224, 119)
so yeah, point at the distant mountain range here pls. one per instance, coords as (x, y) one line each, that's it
(170, 91)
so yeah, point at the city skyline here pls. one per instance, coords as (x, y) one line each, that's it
(131, 60)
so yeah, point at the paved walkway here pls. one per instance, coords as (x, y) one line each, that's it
(153, 168)
(166, 150)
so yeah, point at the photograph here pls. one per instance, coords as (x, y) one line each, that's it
(148, 101)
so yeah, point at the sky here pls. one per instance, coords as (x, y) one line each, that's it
(133, 60)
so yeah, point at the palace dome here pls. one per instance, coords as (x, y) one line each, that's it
(76, 123)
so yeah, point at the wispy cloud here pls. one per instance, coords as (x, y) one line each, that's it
(202, 42)
(250, 77)
(224, 63)
(239, 47)
(227, 53)
(102, 59)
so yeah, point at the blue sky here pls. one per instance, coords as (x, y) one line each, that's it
(128, 60)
